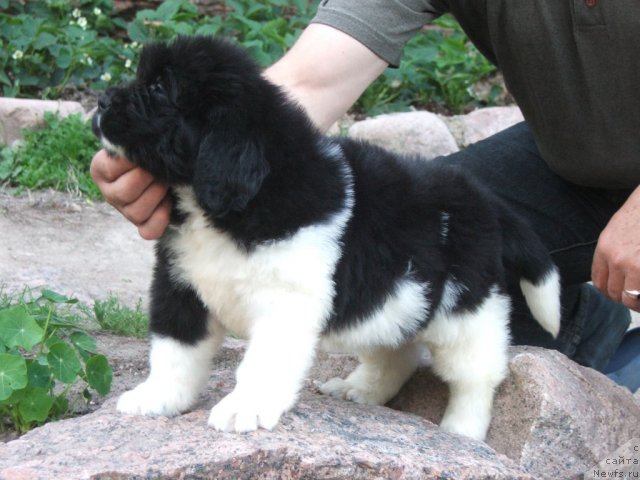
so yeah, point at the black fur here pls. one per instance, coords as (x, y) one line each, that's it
(201, 114)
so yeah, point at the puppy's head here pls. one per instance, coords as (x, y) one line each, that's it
(190, 117)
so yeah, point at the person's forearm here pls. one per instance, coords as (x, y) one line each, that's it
(326, 71)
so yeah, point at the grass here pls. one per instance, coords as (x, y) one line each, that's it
(56, 156)
(109, 315)
(114, 317)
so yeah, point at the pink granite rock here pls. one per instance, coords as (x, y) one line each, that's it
(482, 123)
(552, 419)
(18, 113)
(320, 438)
(413, 133)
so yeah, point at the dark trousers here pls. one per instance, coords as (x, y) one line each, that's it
(568, 218)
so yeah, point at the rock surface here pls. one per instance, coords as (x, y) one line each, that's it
(541, 429)
(482, 123)
(17, 114)
(413, 133)
(551, 416)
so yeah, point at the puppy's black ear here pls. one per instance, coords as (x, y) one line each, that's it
(228, 174)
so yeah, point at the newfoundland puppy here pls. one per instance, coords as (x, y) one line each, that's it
(297, 241)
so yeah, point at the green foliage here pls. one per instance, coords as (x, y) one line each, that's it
(55, 156)
(47, 45)
(266, 28)
(116, 318)
(438, 67)
(43, 355)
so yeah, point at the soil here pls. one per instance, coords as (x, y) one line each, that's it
(64, 243)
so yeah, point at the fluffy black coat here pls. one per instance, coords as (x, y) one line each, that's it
(260, 172)
(201, 115)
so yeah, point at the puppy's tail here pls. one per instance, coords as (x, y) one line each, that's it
(527, 258)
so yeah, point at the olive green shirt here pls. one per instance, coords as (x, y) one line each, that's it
(573, 67)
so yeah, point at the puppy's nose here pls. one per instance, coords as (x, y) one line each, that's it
(104, 102)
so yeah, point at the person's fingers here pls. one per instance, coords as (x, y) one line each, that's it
(630, 296)
(157, 223)
(106, 169)
(615, 284)
(139, 210)
(600, 271)
(128, 188)
(134, 192)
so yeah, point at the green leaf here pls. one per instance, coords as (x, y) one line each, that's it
(43, 40)
(63, 362)
(60, 406)
(13, 374)
(99, 374)
(4, 78)
(63, 60)
(35, 405)
(14, 398)
(39, 375)
(50, 295)
(168, 9)
(137, 32)
(83, 342)
(18, 328)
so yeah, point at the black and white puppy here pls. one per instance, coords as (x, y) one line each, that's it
(295, 240)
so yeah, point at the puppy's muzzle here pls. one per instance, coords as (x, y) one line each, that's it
(104, 103)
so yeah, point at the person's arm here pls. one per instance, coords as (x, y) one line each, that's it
(325, 71)
(616, 262)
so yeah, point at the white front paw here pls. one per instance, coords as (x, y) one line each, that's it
(151, 398)
(241, 412)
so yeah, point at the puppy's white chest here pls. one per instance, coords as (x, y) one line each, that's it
(238, 286)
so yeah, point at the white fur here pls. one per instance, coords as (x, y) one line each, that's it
(451, 294)
(379, 377)
(469, 352)
(178, 374)
(110, 147)
(544, 301)
(387, 327)
(277, 292)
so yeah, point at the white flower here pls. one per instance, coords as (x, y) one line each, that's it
(127, 64)
(76, 13)
(82, 22)
(86, 59)
(134, 44)
(17, 55)
(105, 77)
(97, 11)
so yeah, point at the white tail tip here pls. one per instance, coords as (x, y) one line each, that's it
(544, 301)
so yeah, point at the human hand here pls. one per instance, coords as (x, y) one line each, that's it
(616, 262)
(133, 192)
